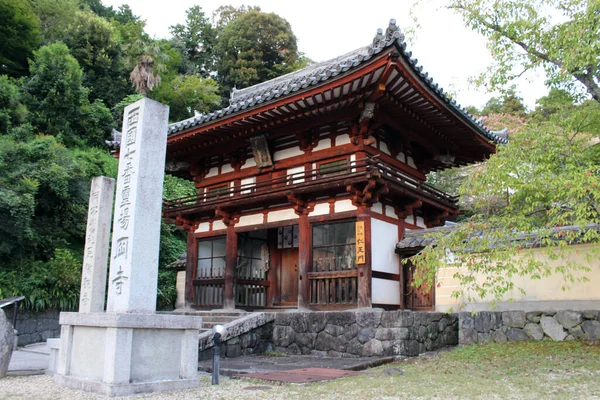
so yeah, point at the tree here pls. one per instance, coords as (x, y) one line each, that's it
(93, 42)
(58, 101)
(198, 38)
(187, 94)
(508, 103)
(544, 179)
(252, 48)
(12, 111)
(560, 36)
(147, 60)
(19, 35)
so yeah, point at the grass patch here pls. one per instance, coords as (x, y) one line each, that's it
(526, 370)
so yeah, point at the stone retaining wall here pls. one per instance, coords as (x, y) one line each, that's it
(514, 326)
(363, 333)
(35, 327)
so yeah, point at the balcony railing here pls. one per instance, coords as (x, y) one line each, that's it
(307, 181)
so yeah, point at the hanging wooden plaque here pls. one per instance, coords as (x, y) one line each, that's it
(360, 243)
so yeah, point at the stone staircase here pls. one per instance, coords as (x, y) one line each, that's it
(217, 317)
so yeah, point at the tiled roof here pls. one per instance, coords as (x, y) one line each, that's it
(317, 74)
(178, 264)
(418, 239)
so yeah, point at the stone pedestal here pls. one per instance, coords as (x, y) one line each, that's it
(123, 354)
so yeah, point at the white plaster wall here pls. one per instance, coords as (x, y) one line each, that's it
(385, 291)
(254, 219)
(180, 285)
(320, 209)
(248, 181)
(420, 223)
(323, 144)
(377, 208)
(352, 159)
(401, 157)
(411, 162)
(342, 139)
(217, 225)
(390, 212)
(203, 227)
(249, 163)
(384, 149)
(226, 168)
(281, 215)
(214, 171)
(298, 175)
(384, 237)
(374, 144)
(287, 153)
(410, 219)
(344, 205)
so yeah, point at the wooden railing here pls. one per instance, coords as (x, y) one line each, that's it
(308, 178)
(209, 292)
(333, 287)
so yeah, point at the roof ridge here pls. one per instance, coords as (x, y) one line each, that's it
(314, 74)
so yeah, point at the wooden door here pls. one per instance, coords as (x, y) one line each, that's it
(416, 298)
(288, 278)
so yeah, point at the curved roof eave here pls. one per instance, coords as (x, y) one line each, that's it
(319, 73)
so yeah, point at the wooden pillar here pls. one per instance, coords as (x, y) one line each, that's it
(190, 268)
(231, 257)
(401, 230)
(364, 270)
(304, 259)
(273, 296)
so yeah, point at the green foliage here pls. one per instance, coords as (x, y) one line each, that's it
(546, 178)
(93, 42)
(198, 38)
(54, 17)
(186, 94)
(560, 36)
(508, 103)
(167, 291)
(58, 101)
(19, 35)
(252, 48)
(11, 110)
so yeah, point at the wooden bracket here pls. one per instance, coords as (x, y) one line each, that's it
(199, 170)
(186, 224)
(237, 159)
(439, 219)
(368, 194)
(308, 140)
(408, 209)
(301, 206)
(228, 218)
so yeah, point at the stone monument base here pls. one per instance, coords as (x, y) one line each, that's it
(123, 354)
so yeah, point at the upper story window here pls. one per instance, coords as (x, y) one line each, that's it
(332, 168)
(218, 191)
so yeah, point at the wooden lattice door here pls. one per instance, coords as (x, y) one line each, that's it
(416, 298)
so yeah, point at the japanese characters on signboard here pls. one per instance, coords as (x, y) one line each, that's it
(360, 243)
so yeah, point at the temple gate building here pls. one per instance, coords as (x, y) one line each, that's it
(307, 182)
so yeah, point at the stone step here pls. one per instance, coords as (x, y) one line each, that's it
(236, 314)
(220, 318)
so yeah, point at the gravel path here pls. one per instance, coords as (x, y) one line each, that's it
(43, 387)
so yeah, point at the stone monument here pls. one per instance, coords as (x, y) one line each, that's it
(95, 254)
(129, 348)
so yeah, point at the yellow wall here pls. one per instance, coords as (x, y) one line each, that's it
(541, 294)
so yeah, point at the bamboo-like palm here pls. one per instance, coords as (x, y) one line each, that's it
(148, 62)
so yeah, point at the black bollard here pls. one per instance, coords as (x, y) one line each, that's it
(216, 366)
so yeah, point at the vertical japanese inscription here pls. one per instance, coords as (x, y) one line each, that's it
(360, 242)
(124, 210)
(95, 253)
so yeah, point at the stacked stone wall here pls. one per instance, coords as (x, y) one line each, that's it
(363, 333)
(514, 326)
(35, 327)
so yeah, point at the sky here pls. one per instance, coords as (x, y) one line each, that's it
(447, 50)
